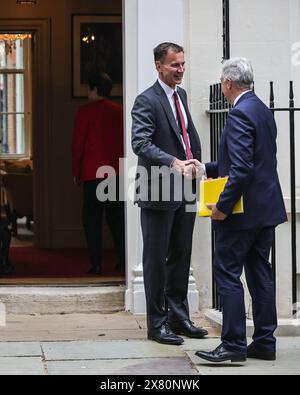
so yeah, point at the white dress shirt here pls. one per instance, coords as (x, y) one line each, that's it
(170, 95)
(238, 98)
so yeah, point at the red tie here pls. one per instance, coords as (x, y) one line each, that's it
(182, 127)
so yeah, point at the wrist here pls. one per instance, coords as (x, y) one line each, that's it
(173, 162)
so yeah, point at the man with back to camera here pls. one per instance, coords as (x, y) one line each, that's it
(163, 135)
(247, 155)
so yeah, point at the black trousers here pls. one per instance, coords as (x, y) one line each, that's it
(92, 221)
(5, 239)
(248, 249)
(167, 237)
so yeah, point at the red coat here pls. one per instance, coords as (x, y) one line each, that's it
(98, 138)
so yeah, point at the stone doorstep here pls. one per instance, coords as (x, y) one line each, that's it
(62, 300)
(286, 327)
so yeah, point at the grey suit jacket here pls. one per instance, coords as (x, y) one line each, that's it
(157, 142)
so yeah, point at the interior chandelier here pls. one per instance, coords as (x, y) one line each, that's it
(27, 2)
(10, 40)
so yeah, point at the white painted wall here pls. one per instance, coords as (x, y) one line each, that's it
(158, 21)
(263, 31)
(133, 251)
(295, 76)
(204, 55)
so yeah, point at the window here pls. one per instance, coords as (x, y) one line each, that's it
(15, 95)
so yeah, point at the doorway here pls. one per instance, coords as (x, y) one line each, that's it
(35, 240)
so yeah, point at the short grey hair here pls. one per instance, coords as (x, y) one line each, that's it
(240, 71)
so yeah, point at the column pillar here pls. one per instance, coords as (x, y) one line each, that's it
(146, 24)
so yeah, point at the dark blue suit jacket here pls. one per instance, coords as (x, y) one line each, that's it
(247, 155)
(156, 141)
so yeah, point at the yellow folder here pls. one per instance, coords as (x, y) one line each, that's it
(210, 191)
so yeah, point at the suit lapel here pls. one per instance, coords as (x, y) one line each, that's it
(168, 110)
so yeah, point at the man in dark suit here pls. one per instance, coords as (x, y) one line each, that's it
(248, 156)
(165, 139)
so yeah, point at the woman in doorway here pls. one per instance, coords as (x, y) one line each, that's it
(97, 142)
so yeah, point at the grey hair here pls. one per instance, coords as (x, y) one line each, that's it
(240, 71)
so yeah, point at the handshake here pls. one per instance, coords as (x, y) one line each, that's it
(190, 169)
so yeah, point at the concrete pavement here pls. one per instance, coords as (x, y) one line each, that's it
(115, 344)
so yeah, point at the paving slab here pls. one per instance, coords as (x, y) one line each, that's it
(151, 366)
(20, 349)
(197, 344)
(197, 318)
(71, 327)
(108, 350)
(21, 366)
(102, 344)
(117, 326)
(71, 321)
(72, 335)
(287, 363)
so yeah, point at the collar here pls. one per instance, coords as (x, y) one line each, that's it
(239, 97)
(167, 89)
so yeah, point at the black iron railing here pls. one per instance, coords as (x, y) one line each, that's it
(218, 112)
(226, 29)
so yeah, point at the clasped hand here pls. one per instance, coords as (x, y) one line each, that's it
(191, 169)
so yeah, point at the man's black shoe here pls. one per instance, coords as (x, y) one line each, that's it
(220, 354)
(95, 270)
(164, 335)
(253, 352)
(187, 328)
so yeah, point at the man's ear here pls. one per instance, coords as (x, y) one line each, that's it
(158, 65)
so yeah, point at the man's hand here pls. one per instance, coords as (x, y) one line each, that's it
(216, 215)
(189, 171)
(77, 181)
(199, 168)
(183, 167)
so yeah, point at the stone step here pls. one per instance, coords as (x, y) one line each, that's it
(62, 300)
(286, 327)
